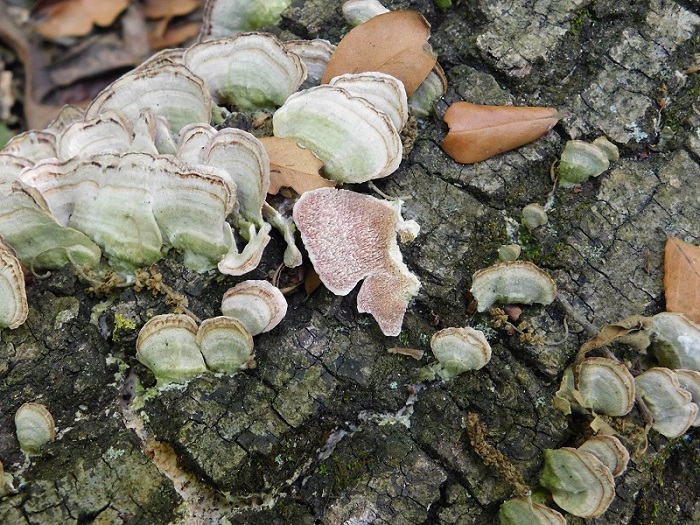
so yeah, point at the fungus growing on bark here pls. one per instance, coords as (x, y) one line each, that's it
(356, 140)
(13, 297)
(581, 160)
(225, 344)
(675, 341)
(609, 450)
(358, 11)
(248, 71)
(524, 511)
(315, 54)
(579, 482)
(519, 282)
(606, 386)
(258, 305)
(460, 349)
(224, 18)
(690, 380)
(351, 237)
(35, 427)
(670, 405)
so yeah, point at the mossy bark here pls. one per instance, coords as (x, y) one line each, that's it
(329, 427)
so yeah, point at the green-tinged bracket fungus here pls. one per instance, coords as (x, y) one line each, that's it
(512, 282)
(582, 160)
(579, 482)
(524, 511)
(358, 11)
(356, 140)
(258, 305)
(176, 350)
(351, 237)
(609, 450)
(675, 341)
(224, 18)
(670, 405)
(13, 296)
(603, 385)
(35, 427)
(458, 350)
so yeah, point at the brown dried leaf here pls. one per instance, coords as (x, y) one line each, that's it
(682, 278)
(633, 329)
(169, 8)
(76, 17)
(293, 167)
(395, 43)
(311, 281)
(479, 132)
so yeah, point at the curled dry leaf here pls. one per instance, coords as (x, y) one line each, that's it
(682, 278)
(395, 43)
(169, 8)
(479, 132)
(292, 166)
(76, 17)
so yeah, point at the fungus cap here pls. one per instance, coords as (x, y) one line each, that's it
(670, 405)
(356, 141)
(579, 161)
(690, 380)
(249, 71)
(13, 296)
(579, 482)
(459, 350)
(257, 305)
(358, 11)
(315, 54)
(524, 511)
(225, 344)
(609, 450)
(519, 282)
(167, 345)
(676, 341)
(606, 386)
(35, 427)
(350, 237)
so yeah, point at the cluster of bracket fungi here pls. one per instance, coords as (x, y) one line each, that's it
(143, 170)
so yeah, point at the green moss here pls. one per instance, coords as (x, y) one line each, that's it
(531, 250)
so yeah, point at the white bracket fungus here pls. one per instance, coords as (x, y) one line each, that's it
(38, 239)
(670, 405)
(512, 282)
(258, 305)
(248, 71)
(176, 350)
(358, 11)
(676, 341)
(315, 54)
(356, 141)
(579, 482)
(170, 89)
(13, 297)
(690, 380)
(224, 18)
(35, 427)
(606, 386)
(351, 237)
(460, 349)
(524, 511)
(609, 450)
(581, 160)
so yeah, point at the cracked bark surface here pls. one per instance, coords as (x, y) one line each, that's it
(330, 428)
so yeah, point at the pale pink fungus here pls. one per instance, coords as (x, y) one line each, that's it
(351, 237)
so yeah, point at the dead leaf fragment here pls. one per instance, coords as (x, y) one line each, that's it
(633, 330)
(75, 17)
(293, 167)
(395, 43)
(169, 8)
(479, 132)
(682, 278)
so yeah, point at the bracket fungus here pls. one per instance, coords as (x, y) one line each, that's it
(315, 54)
(579, 482)
(357, 12)
(176, 350)
(248, 71)
(518, 282)
(223, 18)
(258, 305)
(35, 427)
(356, 140)
(670, 405)
(609, 450)
(675, 341)
(351, 237)
(605, 386)
(13, 296)
(524, 511)
(460, 349)
(690, 380)
(581, 160)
